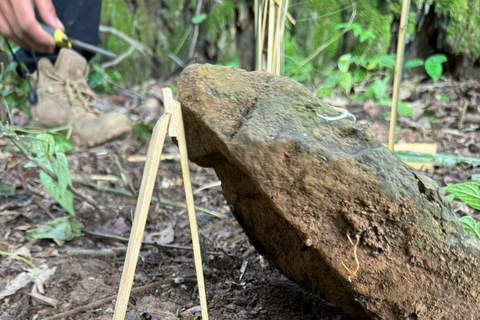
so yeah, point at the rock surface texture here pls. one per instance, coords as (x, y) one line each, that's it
(325, 202)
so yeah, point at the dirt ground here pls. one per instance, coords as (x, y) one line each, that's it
(240, 284)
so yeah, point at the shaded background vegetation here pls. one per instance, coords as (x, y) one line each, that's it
(222, 31)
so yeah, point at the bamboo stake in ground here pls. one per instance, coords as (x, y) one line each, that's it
(141, 213)
(182, 146)
(172, 123)
(398, 73)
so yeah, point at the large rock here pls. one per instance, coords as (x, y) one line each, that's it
(301, 186)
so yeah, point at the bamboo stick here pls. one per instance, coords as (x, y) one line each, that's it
(398, 73)
(182, 146)
(271, 35)
(144, 198)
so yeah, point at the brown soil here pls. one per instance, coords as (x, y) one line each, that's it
(260, 292)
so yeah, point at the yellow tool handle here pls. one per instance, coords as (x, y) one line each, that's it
(60, 38)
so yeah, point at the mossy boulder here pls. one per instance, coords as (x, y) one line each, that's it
(325, 202)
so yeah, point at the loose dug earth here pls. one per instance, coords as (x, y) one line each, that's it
(325, 202)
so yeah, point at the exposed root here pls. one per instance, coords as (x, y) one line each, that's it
(343, 114)
(357, 263)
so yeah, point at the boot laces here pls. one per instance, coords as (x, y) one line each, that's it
(75, 90)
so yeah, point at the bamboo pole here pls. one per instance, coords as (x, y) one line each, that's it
(398, 73)
(271, 35)
(141, 212)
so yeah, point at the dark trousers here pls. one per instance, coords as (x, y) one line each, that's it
(81, 19)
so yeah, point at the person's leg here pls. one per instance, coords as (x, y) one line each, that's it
(81, 19)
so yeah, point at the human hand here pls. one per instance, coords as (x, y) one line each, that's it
(18, 23)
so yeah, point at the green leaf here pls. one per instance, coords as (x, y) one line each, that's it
(405, 110)
(358, 60)
(433, 66)
(441, 97)
(345, 81)
(11, 67)
(367, 35)
(331, 81)
(355, 27)
(344, 62)
(450, 197)
(359, 75)
(414, 63)
(30, 164)
(62, 144)
(467, 192)
(143, 130)
(469, 225)
(65, 199)
(402, 109)
(65, 228)
(199, 19)
(377, 90)
(379, 62)
(43, 145)
(61, 170)
(11, 97)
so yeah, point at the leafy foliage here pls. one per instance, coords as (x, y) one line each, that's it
(104, 81)
(199, 19)
(433, 66)
(470, 226)
(49, 149)
(361, 77)
(469, 193)
(13, 88)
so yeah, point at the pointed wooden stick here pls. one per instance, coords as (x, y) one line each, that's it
(182, 146)
(141, 213)
(398, 73)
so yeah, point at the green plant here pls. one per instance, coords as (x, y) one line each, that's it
(434, 69)
(104, 81)
(13, 88)
(362, 77)
(48, 149)
(469, 193)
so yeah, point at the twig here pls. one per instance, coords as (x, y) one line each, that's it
(15, 256)
(357, 263)
(47, 171)
(102, 188)
(122, 36)
(94, 253)
(134, 45)
(41, 206)
(126, 180)
(10, 118)
(144, 242)
(162, 201)
(118, 59)
(109, 299)
(176, 60)
(184, 206)
(462, 115)
(191, 51)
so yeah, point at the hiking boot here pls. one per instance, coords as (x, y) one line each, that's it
(64, 98)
